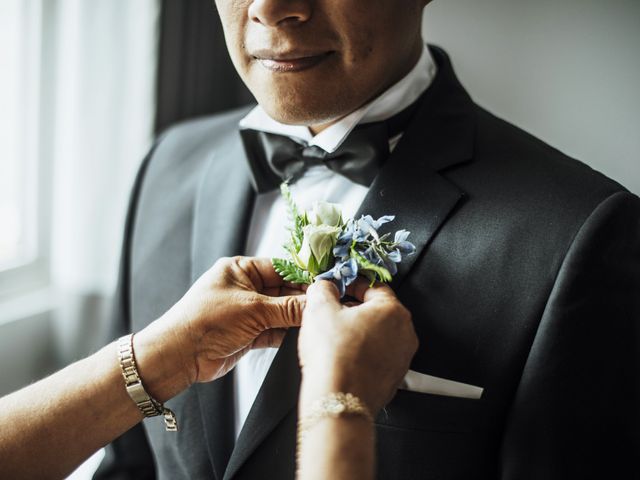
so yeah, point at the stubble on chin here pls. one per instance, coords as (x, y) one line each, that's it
(303, 106)
(319, 101)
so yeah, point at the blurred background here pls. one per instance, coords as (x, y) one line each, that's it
(85, 85)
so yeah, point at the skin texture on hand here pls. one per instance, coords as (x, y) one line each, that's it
(239, 304)
(364, 349)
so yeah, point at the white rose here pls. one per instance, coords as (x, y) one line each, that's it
(325, 213)
(317, 247)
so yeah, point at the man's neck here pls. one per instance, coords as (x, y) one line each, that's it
(411, 62)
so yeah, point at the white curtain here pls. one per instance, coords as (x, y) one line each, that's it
(101, 55)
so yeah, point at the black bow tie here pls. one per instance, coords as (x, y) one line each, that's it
(277, 158)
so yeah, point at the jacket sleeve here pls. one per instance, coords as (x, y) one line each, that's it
(575, 411)
(128, 457)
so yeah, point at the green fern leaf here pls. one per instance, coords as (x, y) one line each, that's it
(364, 264)
(290, 272)
(298, 220)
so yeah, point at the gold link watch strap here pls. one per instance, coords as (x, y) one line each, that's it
(133, 383)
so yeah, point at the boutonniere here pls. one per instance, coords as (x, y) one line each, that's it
(322, 245)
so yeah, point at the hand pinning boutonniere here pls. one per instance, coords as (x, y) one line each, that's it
(324, 246)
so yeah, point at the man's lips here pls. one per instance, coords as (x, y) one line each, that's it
(290, 62)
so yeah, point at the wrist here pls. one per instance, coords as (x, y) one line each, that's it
(161, 361)
(319, 383)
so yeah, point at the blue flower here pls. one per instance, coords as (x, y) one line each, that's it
(400, 242)
(359, 234)
(342, 274)
(389, 264)
(371, 255)
(401, 236)
(368, 226)
(395, 255)
(343, 244)
(376, 224)
(342, 250)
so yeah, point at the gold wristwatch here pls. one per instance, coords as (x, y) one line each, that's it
(133, 383)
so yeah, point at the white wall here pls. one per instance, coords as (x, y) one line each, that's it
(566, 71)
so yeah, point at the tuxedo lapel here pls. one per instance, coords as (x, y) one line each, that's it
(434, 202)
(277, 397)
(223, 208)
(221, 219)
(410, 185)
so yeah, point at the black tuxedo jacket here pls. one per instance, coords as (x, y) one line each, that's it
(526, 282)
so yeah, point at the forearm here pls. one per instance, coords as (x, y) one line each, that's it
(338, 448)
(76, 411)
(52, 426)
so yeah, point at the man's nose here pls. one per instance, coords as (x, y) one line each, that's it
(272, 13)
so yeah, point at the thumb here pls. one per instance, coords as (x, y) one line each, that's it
(282, 312)
(323, 294)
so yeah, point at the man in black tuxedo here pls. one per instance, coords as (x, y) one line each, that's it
(525, 283)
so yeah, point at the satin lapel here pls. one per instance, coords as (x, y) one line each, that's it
(221, 220)
(411, 185)
(434, 201)
(223, 209)
(277, 396)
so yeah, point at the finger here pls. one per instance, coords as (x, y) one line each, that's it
(323, 294)
(357, 288)
(351, 303)
(282, 312)
(228, 363)
(361, 291)
(283, 291)
(262, 272)
(297, 286)
(271, 338)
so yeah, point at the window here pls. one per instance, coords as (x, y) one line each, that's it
(67, 155)
(21, 198)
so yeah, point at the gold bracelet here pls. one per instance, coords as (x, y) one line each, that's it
(333, 405)
(149, 406)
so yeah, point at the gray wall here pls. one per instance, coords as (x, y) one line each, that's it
(27, 352)
(567, 71)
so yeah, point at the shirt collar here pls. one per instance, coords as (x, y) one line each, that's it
(395, 99)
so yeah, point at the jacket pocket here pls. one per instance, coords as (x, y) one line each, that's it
(437, 413)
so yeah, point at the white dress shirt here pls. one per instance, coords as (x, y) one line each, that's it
(268, 227)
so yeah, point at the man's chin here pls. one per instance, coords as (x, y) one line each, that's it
(302, 113)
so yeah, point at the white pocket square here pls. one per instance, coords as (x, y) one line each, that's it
(422, 383)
